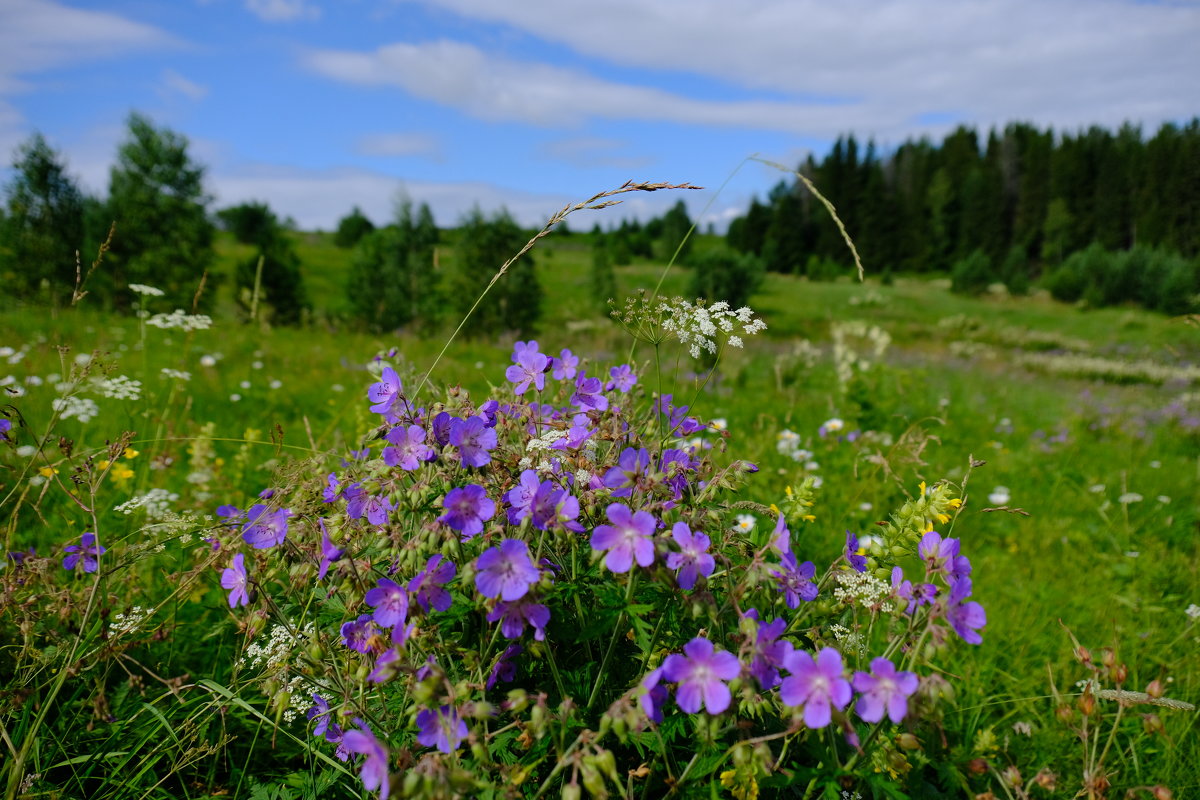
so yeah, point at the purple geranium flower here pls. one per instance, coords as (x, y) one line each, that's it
(693, 558)
(441, 428)
(680, 423)
(795, 580)
(520, 497)
(374, 769)
(589, 393)
(920, 595)
(883, 690)
(768, 653)
(554, 506)
(515, 615)
(781, 537)
(965, 618)
(627, 539)
(332, 489)
(474, 439)
(701, 673)
(623, 478)
(530, 367)
(234, 579)
(429, 585)
(385, 666)
(442, 729)
(324, 726)
(623, 378)
(522, 348)
(564, 366)
(936, 551)
(408, 448)
(86, 552)
(329, 553)
(858, 562)
(817, 685)
(654, 696)
(505, 668)
(361, 634)
(390, 601)
(506, 571)
(385, 393)
(265, 528)
(467, 508)
(374, 507)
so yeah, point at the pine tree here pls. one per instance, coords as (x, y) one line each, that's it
(43, 229)
(156, 195)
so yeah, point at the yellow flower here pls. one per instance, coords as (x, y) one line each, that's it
(955, 502)
(122, 473)
(46, 472)
(130, 453)
(775, 508)
(809, 517)
(788, 489)
(943, 518)
(922, 487)
(103, 464)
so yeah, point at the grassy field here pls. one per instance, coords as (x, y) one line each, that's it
(1088, 421)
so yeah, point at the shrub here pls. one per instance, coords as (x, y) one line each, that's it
(725, 275)
(972, 275)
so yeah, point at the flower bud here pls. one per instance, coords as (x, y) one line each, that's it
(1083, 654)
(571, 791)
(607, 763)
(977, 766)
(517, 700)
(1046, 779)
(593, 781)
(906, 741)
(1064, 714)
(1012, 776)
(1155, 688)
(1121, 673)
(1161, 792)
(1152, 723)
(1107, 657)
(1087, 703)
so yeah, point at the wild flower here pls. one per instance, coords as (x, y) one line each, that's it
(443, 729)
(83, 409)
(999, 496)
(623, 379)
(474, 439)
(428, 587)
(883, 690)
(86, 553)
(700, 674)
(856, 561)
(505, 668)
(175, 374)
(768, 652)
(834, 425)
(530, 368)
(698, 326)
(631, 466)
(121, 387)
(143, 289)
(408, 448)
(390, 601)
(128, 622)
(1192, 611)
(265, 527)
(1129, 498)
(329, 552)
(467, 508)
(795, 580)
(179, 319)
(234, 578)
(506, 571)
(627, 539)
(653, 695)
(693, 559)
(965, 617)
(744, 523)
(818, 686)
(565, 366)
(374, 772)
(516, 614)
(156, 503)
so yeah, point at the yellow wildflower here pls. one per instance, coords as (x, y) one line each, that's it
(103, 464)
(122, 473)
(46, 472)
(809, 517)
(955, 502)
(130, 453)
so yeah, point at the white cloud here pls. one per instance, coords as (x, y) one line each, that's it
(590, 151)
(399, 145)
(283, 10)
(500, 89)
(39, 35)
(1060, 62)
(173, 83)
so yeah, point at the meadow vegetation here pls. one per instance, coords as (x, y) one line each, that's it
(902, 542)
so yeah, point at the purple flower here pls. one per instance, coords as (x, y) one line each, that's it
(515, 615)
(385, 393)
(768, 654)
(589, 393)
(86, 552)
(577, 434)
(693, 558)
(6, 426)
(676, 464)
(385, 666)
(918, 596)
(623, 478)
(623, 378)
(467, 508)
(323, 727)
(883, 690)
(520, 497)
(429, 585)
(701, 672)
(795, 581)
(361, 634)
(374, 769)
(234, 579)
(564, 366)
(680, 424)
(936, 551)
(654, 696)
(530, 367)
(817, 685)
(965, 618)
(374, 507)
(441, 428)
(506, 571)
(408, 448)
(858, 562)
(522, 348)
(390, 601)
(628, 538)
(781, 537)
(265, 528)
(443, 728)
(329, 553)
(473, 439)
(505, 668)
(332, 489)
(554, 506)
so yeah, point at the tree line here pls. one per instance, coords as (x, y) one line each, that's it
(1010, 207)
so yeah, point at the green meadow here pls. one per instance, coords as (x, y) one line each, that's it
(1072, 436)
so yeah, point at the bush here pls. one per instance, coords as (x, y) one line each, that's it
(725, 275)
(514, 303)
(282, 298)
(972, 275)
(352, 228)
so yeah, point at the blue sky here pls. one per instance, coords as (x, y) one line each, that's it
(315, 106)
